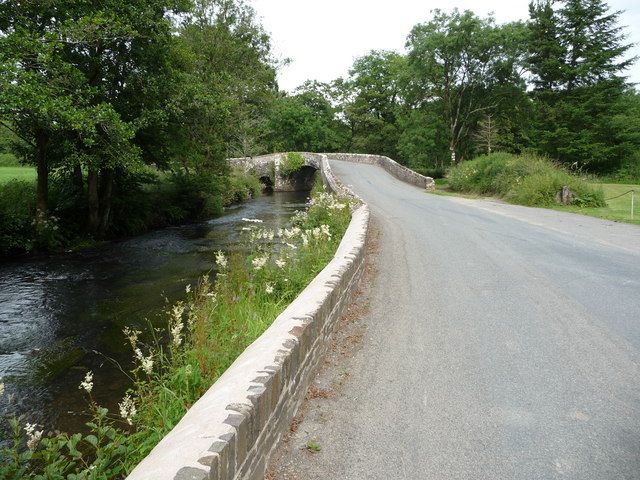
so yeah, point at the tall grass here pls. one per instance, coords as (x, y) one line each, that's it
(177, 365)
(523, 179)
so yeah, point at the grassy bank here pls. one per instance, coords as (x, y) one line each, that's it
(8, 174)
(618, 204)
(521, 179)
(534, 181)
(143, 202)
(176, 366)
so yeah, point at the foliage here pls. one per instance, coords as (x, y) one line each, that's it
(576, 60)
(243, 186)
(176, 366)
(292, 163)
(523, 179)
(458, 61)
(96, 91)
(306, 121)
(17, 202)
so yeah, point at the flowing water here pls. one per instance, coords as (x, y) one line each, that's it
(62, 315)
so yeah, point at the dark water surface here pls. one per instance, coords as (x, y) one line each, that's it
(56, 311)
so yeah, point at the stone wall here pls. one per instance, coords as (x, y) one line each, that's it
(269, 166)
(230, 432)
(394, 168)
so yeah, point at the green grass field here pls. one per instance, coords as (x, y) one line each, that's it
(17, 173)
(618, 209)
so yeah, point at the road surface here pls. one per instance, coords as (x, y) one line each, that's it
(502, 342)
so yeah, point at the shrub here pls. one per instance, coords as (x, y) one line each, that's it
(293, 162)
(524, 179)
(242, 186)
(17, 208)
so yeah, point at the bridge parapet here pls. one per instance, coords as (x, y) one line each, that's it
(268, 168)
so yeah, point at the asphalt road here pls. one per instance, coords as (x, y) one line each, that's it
(503, 342)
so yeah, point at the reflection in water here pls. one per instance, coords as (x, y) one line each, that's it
(56, 313)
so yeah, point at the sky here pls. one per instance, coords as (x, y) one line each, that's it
(323, 37)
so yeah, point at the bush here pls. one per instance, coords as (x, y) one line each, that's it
(629, 172)
(293, 162)
(524, 179)
(242, 186)
(17, 208)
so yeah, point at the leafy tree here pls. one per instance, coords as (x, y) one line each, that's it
(375, 94)
(456, 62)
(306, 121)
(79, 80)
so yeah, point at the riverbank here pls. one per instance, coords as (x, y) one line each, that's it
(145, 201)
(56, 310)
(205, 334)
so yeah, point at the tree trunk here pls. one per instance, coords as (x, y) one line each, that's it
(42, 187)
(94, 201)
(78, 181)
(105, 200)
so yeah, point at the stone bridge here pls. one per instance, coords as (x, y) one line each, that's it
(268, 169)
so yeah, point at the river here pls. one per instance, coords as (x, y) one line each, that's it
(63, 314)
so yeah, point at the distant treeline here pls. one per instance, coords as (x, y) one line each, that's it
(553, 85)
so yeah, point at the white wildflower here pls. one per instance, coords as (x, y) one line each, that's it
(269, 288)
(291, 246)
(305, 240)
(145, 362)
(221, 260)
(176, 333)
(291, 233)
(87, 383)
(259, 262)
(325, 231)
(33, 435)
(188, 288)
(281, 263)
(188, 370)
(132, 336)
(127, 409)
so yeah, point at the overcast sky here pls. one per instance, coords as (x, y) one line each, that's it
(322, 37)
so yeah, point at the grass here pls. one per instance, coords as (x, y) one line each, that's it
(617, 209)
(17, 173)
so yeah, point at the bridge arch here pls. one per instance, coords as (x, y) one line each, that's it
(267, 169)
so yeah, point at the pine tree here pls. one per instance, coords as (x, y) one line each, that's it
(576, 60)
(546, 51)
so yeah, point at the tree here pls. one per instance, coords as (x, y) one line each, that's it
(374, 97)
(487, 133)
(456, 61)
(307, 121)
(576, 62)
(79, 81)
